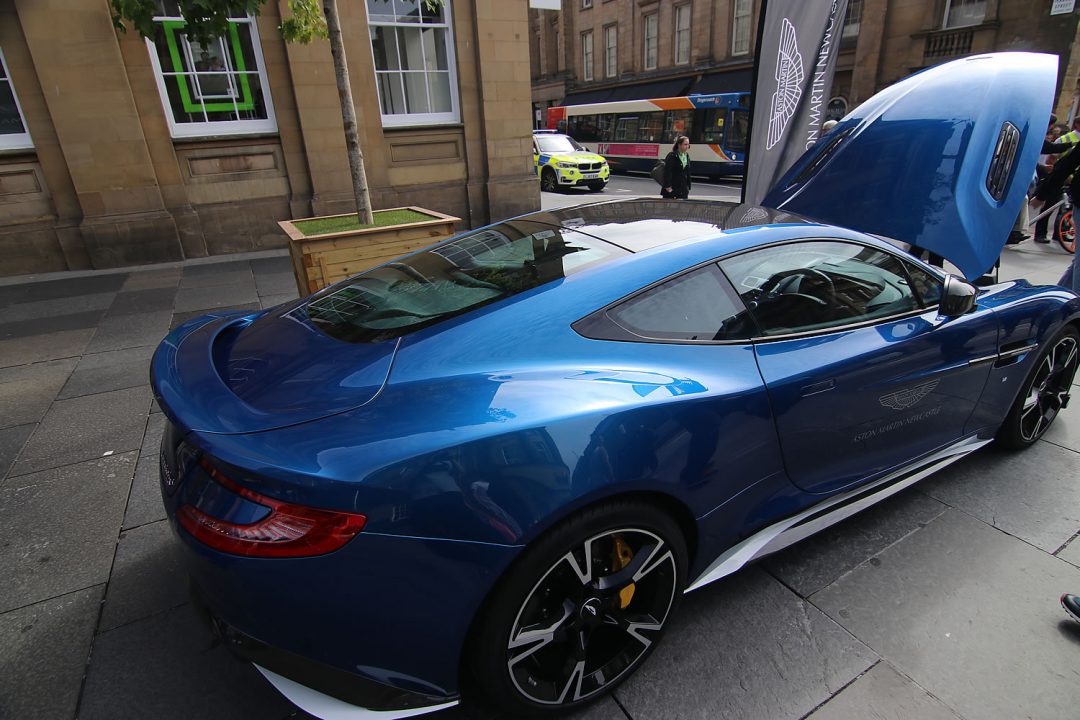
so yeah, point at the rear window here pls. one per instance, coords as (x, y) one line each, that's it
(453, 278)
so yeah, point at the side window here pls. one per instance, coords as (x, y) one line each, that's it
(799, 287)
(699, 305)
(927, 287)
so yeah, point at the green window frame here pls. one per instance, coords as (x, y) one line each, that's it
(228, 95)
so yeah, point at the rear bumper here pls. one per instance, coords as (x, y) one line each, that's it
(322, 690)
(379, 624)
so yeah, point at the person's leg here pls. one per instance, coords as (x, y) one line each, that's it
(1076, 273)
(1040, 229)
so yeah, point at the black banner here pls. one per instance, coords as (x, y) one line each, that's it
(796, 57)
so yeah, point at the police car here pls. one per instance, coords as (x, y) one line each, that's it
(563, 162)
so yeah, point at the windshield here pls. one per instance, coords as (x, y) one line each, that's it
(557, 144)
(452, 278)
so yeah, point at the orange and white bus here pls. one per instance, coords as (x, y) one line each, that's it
(634, 134)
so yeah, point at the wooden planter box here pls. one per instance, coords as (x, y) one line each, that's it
(322, 260)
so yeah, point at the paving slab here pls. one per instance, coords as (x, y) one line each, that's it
(276, 284)
(883, 694)
(23, 329)
(127, 331)
(12, 440)
(1071, 553)
(971, 615)
(27, 391)
(222, 275)
(148, 576)
(155, 428)
(167, 666)
(819, 560)
(158, 278)
(39, 309)
(58, 528)
(142, 301)
(270, 301)
(106, 371)
(1065, 432)
(746, 647)
(271, 265)
(33, 290)
(144, 504)
(85, 428)
(215, 297)
(1033, 494)
(45, 650)
(222, 267)
(39, 348)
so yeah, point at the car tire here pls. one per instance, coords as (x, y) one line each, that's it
(556, 621)
(597, 186)
(1044, 393)
(549, 182)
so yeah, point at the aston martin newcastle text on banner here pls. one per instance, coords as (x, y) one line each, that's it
(795, 64)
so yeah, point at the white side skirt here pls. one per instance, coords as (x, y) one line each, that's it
(790, 530)
(330, 708)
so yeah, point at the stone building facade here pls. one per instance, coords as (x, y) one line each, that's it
(666, 48)
(117, 151)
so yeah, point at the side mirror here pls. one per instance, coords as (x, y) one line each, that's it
(957, 297)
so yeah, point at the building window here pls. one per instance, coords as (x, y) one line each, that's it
(219, 88)
(414, 62)
(959, 13)
(13, 133)
(740, 28)
(586, 4)
(682, 34)
(586, 56)
(611, 51)
(651, 28)
(852, 19)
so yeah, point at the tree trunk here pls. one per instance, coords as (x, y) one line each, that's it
(348, 114)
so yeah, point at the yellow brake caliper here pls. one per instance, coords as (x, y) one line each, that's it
(621, 555)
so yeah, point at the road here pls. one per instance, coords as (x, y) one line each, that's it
(621, 186)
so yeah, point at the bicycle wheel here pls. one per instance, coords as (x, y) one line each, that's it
(1066, 231)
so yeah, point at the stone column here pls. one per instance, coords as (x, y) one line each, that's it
(81, 69)
(311, 70)
(864, 75)
(506, 130)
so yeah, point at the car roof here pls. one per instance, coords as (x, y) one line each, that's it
(641, 224)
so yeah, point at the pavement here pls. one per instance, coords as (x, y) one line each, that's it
(941, 602)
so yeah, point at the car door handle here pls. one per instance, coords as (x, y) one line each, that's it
(818, 387)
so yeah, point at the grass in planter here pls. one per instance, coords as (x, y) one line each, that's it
(344, 223)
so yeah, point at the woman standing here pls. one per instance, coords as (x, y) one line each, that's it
(677, 170)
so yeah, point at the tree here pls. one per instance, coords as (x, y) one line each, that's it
(207, 20)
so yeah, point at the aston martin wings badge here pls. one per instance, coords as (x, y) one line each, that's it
(903, 399)
(789, 77)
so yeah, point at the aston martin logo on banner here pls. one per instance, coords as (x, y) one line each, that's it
(789, 76)
(794, 69)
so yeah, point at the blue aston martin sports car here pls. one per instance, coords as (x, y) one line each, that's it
(489, 469)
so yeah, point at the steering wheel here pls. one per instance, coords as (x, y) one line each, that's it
(815, 277)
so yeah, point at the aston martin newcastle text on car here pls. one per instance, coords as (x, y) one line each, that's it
(489, 470)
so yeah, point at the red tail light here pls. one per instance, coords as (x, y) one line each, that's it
(288, 531)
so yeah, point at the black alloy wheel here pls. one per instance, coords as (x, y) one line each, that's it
(1045, 392)
(548, 181)
(581, 610)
